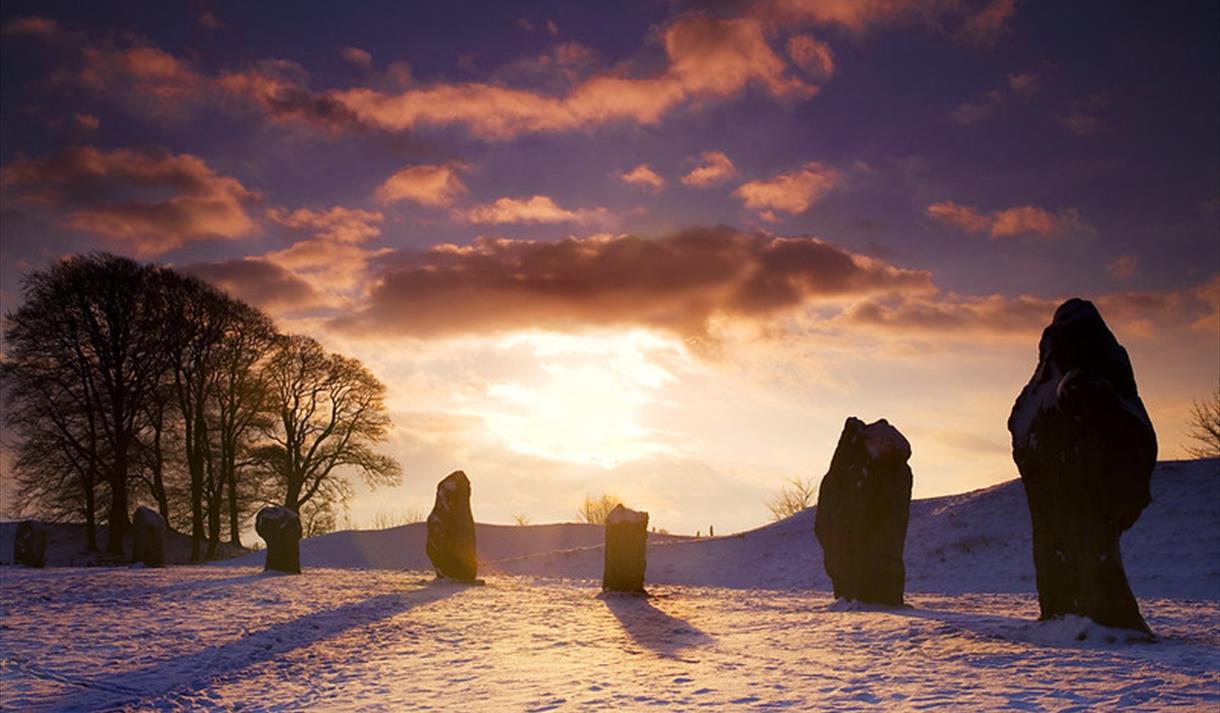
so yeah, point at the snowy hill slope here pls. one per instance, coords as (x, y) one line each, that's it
(973, 542)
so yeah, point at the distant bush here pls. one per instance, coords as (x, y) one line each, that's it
(796, 495)
(1205, 427)
(595, 510)
(385, 520)
(521, 519)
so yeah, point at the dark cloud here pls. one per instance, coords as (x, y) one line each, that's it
(259, 282)
(678, 282)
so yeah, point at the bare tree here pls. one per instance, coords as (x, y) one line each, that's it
(1205, 426)
(384, 520)
(94, 323)
(329, 412)
(521, 520)
(796, 495)
(595, 510)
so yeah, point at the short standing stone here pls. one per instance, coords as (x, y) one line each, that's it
(1086, 449)
(281, 529)
(148, 537)
(864, 504)
(626, 551)
(451, 539)
(30, 544)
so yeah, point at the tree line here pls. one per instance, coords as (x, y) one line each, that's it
(129, 383)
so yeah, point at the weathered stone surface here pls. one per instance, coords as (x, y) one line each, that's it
(626, 551)
(30, 545)
(864, 504)
(148, 533)
(280, 528)
(1085, 448)
(451, 539)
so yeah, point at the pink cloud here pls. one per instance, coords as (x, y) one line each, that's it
(793, 192)
(708, 59)
(122, 195)
(715, 168)
(1124, 266)
(812, 56)
(1009, 222)
(532, 210)
(356, 56)
(644, 177)
(436, 186)
(36, 26)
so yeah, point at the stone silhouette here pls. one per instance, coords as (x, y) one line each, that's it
(148, 534)
(30, 545)
(281, 529)
(451, 540)
(864, 504)
(626, 551)
(1086, 449)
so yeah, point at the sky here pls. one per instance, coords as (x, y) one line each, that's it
(656, 249)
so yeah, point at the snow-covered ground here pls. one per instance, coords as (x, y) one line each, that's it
(737, 621)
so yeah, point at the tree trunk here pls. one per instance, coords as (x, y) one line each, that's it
(117, 521)
(234, 524)
(90, 518)
(196, 507)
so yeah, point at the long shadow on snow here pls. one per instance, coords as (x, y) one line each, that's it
(250, 650)
(652, 628)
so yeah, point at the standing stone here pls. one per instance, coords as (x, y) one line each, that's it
(148, 537)
(626, 551)
(281, 529)
(864, 504)
(30, 545)
(451, 544)
(1086, 449)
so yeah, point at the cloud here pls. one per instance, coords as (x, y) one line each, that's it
(435, 186)
(715, 168)
(1140, 315)
(793, 192)
(985, 26)
(1019, 86)
(1124, 266)
(707, 59)
(676, 283)
(643, 176)
(209, 20)
(358, 57)
(969, 22)
(1080, 124)
(151, 201)
(86, 122)
(261, 283)
(147, 77)
(35, 26)
(1009, 222)
(334, 258)
(812, 56)
(532, 210)
(280, 89)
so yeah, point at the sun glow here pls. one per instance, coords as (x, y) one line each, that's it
(588, 401)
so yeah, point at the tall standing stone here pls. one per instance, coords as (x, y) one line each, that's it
(280, 528)
(30, 544)
(1086, 449)
(864, 504)
(451, 540)
(626, 551)
(148, 534)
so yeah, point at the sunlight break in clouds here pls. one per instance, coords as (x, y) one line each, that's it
(121, 195)
(432, 186)
(1009, 222)
(792, 192)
